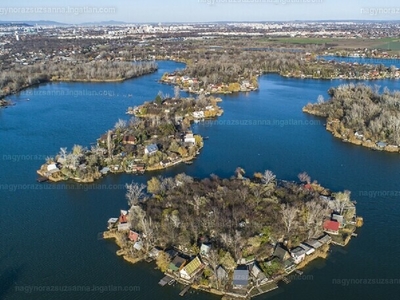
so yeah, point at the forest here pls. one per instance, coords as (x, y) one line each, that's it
(359, 108)
(20, 77)
(239, 216)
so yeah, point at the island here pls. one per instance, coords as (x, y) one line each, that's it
(359, 114)
(67, 70)
(235, 237)
(158, 136)
(222, 72)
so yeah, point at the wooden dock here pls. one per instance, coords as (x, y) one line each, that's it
(165, 280)
(184, 291)
(42, 179)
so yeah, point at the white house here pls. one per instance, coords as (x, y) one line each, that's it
(298, 254)
(189, 138)
(191, 269)
(198, 114)
(151, 149)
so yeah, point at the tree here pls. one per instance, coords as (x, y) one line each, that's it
(134, 193)
(154, 186)
(268, 177)
(289, 214)
(177, 91)
(163, 260)
(121, 124)
(63, 153)
(303, 177)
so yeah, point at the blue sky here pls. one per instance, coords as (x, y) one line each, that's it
(77, 11)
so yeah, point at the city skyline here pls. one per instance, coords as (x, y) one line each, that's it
(185, 11)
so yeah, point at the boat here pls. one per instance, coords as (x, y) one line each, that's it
(188, 162)
(206, 138)
(171, 282)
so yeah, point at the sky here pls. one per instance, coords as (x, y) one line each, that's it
(142, 11)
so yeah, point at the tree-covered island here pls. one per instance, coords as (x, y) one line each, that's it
(159, 136)
(359, 114)
(235, 237)
(213, 72)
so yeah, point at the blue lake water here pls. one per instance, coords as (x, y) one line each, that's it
(50, 231)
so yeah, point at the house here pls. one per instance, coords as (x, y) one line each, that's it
(189, 138)
(205, 249)
(105, 170)
(338, 218)
(151, 149)
(123, 219)
(111, 222)
(52, 168)
(221, 273)
(281, 253)
(240, 277)
(129, 139)
(165, 162)
(198, 114)
(138, 245)
(358, 135)
(325, 239)
(381, 145)
(177, 263)
(257, 274)
(313, 243)
(331, 227)
(298, 254)
(123, 226)
(308, 249)
(133, 236)
(153, 253)
(191, 269)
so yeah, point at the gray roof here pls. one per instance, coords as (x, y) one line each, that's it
(221, 273)
(313, 243)
(241, 277)
(280, 252)
(298, 251)
(381, 144)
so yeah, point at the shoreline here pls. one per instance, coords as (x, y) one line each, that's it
(275, 267)
(351, 138)
(74, 81)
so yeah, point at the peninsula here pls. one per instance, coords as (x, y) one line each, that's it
(159, 136)
(235, 237)
(358, 114)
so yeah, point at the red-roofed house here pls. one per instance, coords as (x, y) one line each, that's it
(123, 219)
(308, 187)
(331, 227)
(133, 236)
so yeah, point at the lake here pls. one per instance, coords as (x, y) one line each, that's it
(50, 246)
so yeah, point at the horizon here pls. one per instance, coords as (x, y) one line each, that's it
(200, 11)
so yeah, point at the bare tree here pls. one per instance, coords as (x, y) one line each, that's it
(177, 92)
(134, 193)
(304, 177)
(289, 214)
(268, 177)
(121, 124)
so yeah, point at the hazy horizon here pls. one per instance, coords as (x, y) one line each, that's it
(199, 11)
